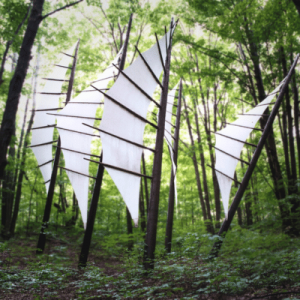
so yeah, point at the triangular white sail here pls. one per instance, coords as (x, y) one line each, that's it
(43, 153)
(168, 133)
(122, 123)
(82, 112)
(225, 163)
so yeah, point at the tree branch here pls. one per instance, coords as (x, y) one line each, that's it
(111, 25)
(9, 43)
(66, 6)
(97, 28)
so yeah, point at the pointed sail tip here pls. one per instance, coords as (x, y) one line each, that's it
(136, 222)
(84, 226)
(226, 216)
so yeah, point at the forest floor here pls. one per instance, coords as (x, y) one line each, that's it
(255, 272)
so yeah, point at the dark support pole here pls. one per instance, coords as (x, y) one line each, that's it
(145, 183)
(150, 240)
(95, 198)
(142, 209)
(72, 76)
(42, 236)
(129, 230)
(169, 227)
(122, 63)
(238, 197)
(91, 218)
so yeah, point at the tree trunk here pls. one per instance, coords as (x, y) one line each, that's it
(129, 230)
(145, 183)
(296, 113)
(212, 158)
(75, 212)
(248, 205)
(142, 209)
(10, 42)
(202, 162)
(16, 84)
(8, 195)
(293, 177)
(200, 193)
(171, 200)
(9, 117)
(270, 145)
(239, 210)
(240, 217)
(23, 157)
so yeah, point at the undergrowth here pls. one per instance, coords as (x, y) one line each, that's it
(250, 263)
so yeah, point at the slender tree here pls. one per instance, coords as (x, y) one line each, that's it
(8, 122)
(169, 226)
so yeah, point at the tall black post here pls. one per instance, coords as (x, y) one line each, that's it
(145, 183)
(91, 217)
(47, 211)
(169, 227)
(150, 240)
(238, 197)
(125, 46)
(95, 198)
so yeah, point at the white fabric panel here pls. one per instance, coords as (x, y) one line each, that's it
(81, 142)
(227, 164)
(45, 135)
(121, 123)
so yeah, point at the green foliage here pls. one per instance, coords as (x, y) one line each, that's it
(207, 55)
(249, 262)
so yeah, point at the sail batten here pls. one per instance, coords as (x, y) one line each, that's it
(128, 121)
(76, 137)
(48, 99)
(230, 142)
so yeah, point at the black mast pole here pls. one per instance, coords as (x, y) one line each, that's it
(95, 198)
(169, 227)
(150, 240)
(47, 211)
(238, 197)
(85, 248)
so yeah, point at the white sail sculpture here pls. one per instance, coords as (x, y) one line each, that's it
(230, 142)
(123, 122)
(168, 133)
(76, 138)
(43, 126)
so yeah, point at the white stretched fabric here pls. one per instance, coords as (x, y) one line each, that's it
(168, 136)
(82, 142)
(227, 164)
(121, 123)
(39, 136)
